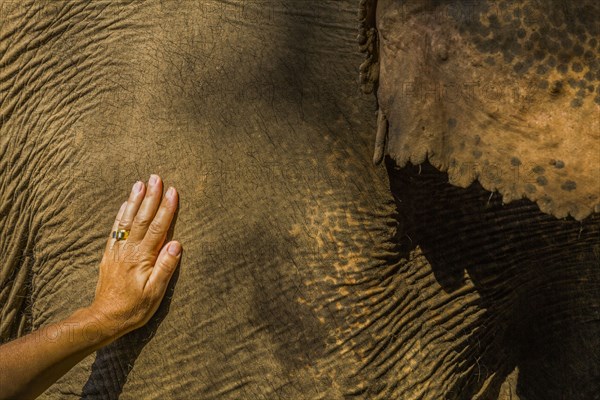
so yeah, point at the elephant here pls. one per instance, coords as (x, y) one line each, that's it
(464, 265)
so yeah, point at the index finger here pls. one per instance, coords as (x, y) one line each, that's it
(157, 231)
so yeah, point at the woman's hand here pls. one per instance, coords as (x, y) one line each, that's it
(134, 273)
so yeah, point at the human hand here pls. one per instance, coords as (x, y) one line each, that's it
(134, 273)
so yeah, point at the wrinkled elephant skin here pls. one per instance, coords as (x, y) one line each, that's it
(252, 111)
(307, 273)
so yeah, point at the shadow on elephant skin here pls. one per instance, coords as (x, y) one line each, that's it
(535, 277)
(114, 362)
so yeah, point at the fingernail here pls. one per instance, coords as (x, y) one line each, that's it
(123, 206)
(138, 187)
(153, 179)
(170, 193)
(174, 249)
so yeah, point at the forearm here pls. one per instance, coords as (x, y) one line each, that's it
(30, 364)
(127, 295)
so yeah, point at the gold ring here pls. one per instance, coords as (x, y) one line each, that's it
(120, 234)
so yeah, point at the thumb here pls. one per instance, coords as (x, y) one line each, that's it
(164, 267)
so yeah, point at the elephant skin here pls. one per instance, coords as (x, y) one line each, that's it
(252, 111)
(506, 93)
(307, 273)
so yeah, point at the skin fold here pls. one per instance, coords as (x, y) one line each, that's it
(307, 272)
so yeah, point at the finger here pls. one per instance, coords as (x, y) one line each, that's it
(165, 265)
(147, 210)
(115, 226)
(157, 231)
(133, 204)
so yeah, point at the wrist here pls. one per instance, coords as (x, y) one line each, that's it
(96, 326)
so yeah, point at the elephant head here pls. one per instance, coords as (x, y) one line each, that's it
(506, 93)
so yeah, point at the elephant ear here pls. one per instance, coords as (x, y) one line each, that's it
(506, 93)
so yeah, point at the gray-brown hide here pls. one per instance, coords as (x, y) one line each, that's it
(303, 275)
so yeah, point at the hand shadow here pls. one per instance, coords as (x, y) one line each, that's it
(114, 361)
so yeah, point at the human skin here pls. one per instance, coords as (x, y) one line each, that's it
(128, 293)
